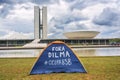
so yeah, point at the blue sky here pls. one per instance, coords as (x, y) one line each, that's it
(17, 17)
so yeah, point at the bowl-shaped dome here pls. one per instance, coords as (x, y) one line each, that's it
(81, 34)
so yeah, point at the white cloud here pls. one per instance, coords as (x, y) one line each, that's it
(17, 35)
(19, 22)
(22, 11)
(1, 6)
(92, 11)
(58, 9)
(50, 34)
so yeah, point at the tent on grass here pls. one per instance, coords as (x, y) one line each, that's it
(57, 57)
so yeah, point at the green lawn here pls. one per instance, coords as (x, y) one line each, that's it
(98, 68)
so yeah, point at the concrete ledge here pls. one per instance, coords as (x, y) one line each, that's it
(18, 48)
(94, 46)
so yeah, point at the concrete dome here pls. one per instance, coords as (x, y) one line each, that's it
(81, 34)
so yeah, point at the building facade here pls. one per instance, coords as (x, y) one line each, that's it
(40, 22)
(79, 41)
(22, 42)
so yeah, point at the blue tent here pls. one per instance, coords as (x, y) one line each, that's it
(57, 57)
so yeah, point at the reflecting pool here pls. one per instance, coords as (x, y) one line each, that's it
(115, 51)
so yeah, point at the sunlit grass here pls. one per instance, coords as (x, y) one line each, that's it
(98, 68)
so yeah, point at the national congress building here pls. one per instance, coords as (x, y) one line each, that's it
(40, 33)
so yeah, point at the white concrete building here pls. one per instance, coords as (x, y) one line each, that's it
(81, 34)
(40, 22)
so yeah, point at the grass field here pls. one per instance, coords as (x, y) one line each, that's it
(98, 68)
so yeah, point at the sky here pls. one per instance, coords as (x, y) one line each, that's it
(17, 17)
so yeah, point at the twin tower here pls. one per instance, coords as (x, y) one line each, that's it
(40, 22)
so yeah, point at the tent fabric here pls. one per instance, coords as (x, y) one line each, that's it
(55, 58)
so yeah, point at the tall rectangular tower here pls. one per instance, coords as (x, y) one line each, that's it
(40, 22)
(44, 22)
(36, 22)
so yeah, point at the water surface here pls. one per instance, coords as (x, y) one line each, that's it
(79, 51)
(98, 51)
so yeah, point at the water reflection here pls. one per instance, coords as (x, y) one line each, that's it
(85, 52)
(98, 51)
(79, 51)
(19, 53)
